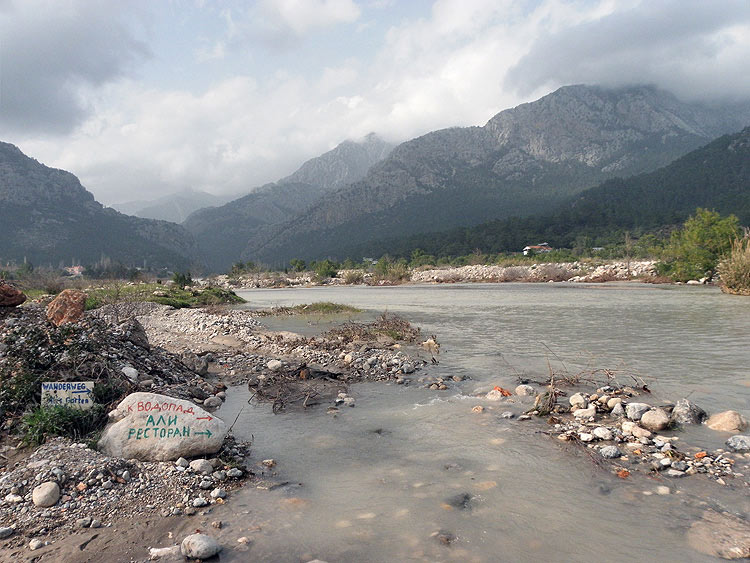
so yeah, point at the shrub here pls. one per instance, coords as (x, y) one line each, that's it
(734, 270)
(695, 250)
(43, 422)
(354, 276)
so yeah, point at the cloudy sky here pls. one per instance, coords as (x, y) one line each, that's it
(140, 99)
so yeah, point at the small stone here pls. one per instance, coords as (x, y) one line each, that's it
(655, 420)
(182, 462)
(96, 523)
(202, 466)
(212, 402)
(13, 498)
(199, 502)
(83, 522)
(675, 473)
(585, 437)
(739, 443)
(235, 473)
(407, 368)
(6, 532)
(603, 433)
(269, 462)
(610, 452)
(578, 400)
(585, 413)
(218, 493)
(618, 410)
(507, 414)
(635, 411)
(525, 391)
(477, 409)
(679, 465)
(45, 495)
(243, 539)
(613, 402)
(199, 546)
(206, 484)
(274, 365)
(493, 395)
(662, 490)
(35, 544)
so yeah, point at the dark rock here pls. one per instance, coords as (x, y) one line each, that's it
(685, 412)
(135, 333)
(461, 501)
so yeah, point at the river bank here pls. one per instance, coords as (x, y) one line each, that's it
(574, 272)
(190, 354)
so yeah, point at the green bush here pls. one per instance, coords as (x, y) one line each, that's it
(43, 422)
(694, 251)
(734, 270)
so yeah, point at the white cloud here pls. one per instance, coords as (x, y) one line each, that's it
(300, 16)
(459, 64)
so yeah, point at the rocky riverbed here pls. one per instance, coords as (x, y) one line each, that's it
(65, 487)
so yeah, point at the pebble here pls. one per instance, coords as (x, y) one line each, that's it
(578, 400)
(35, 544)
(218, 493)
(6, 532)
(586, 437)
(663, 490)
(202, 466)
(603, 433)
(525, 390)
(182, 462)
(610, 452)
(235, 473)
(46, 494)
(200, 502)
(507, 414)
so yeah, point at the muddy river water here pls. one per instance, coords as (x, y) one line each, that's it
(407, 467)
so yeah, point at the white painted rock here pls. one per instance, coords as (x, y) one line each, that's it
(199, 546)
(46, 494)
(153, 427)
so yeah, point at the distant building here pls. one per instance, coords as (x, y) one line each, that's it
(74, 271)
(537, 249)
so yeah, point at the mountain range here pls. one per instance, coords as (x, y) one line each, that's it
(223, 232)
(48, 217)
(525, 160)
(715, 176)
(446, 189)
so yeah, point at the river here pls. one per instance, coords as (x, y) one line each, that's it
(385, 480)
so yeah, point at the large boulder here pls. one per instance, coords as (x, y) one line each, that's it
(685, 412)
(10, 296)
(67, 307)
(727, 421)
(720, 535)
(153, 427)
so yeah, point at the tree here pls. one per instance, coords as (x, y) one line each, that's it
(181, 280)
(694, 251)
(297, 264)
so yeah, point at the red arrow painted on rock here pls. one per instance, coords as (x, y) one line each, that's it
(204, 418)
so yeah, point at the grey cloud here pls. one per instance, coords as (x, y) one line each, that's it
(45, 62)
(675, 45)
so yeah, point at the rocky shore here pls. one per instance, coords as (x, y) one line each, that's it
(188, 357)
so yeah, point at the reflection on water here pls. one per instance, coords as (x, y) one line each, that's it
(412, 474)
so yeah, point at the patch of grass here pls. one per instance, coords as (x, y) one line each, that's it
(77, 424)
(318, 308)
(118, 292)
